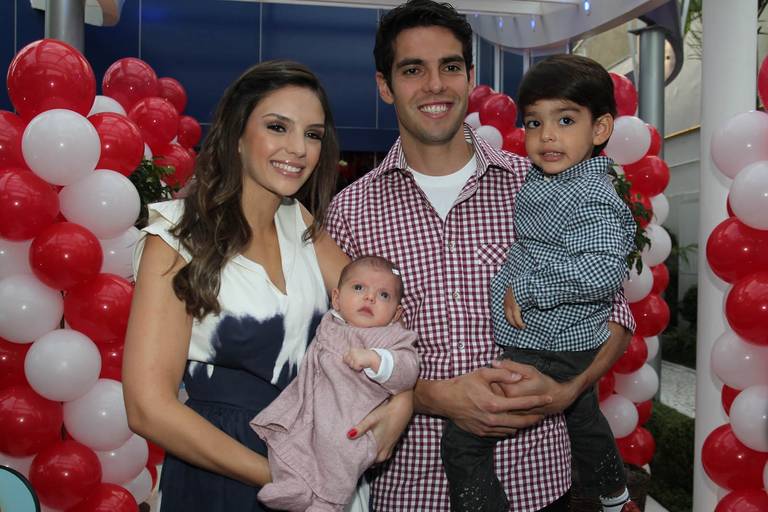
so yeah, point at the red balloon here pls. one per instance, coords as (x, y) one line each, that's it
(655, 148)
(48, 74)
(660, 278)
(156, 454)
(27, 204)
(129, 80)
(499, 110)
(638, 447)
(111, 355)
(605, 386)
(634, 356)
(651, 315)
(122, 145)
(649, 176)
(172, 90)
(179, 158)
(637, 197)
(111, 372)
(625, 94)
(107, 498)
(153, 474)
(727, 396)
(735, 250)
(12, 363)
(477, 96)
(64, 254)
(746, 308)
(99, 307)
(189, 131)
(746, 500)
(64, 473)
(762, 82)
(728, 206)
(11, 130)
(644, 410)
(28, 422)
(731, 464)
(514, 141)
(157, 119)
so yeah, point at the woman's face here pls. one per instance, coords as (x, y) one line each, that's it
(280, 146)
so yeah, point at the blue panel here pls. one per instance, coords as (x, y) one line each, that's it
(486, 63)
(7, 49)
(359, 139)
(30, 26)
(513, 73)
(337, 44)
(204, 45)
(105, 45)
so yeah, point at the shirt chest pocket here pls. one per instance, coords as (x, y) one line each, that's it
(491, 256)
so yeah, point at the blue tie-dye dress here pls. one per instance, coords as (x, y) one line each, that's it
(240, 360)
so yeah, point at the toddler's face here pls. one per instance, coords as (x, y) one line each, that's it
(368, 297)
(560, 134)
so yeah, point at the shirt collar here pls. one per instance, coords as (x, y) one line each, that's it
(486, 156)
(596, 165)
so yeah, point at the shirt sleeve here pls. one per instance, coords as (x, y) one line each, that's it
(597, 243)
(337, 226)
(385, 367)
(620, 312)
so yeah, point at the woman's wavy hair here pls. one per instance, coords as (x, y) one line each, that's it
(213, 227)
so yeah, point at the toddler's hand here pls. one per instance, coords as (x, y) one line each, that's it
(512, 310)
(360, 358)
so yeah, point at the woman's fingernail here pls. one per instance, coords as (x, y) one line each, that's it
(352, 433)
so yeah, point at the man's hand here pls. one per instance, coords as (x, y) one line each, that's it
(469, 400)
(387, 422)
(533, 382)
(512, 310)
(360, 358)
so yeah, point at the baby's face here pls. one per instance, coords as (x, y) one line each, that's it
(368, 297)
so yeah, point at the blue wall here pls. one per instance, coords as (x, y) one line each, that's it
(206, 44)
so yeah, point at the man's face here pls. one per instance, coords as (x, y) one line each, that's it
(429, 86)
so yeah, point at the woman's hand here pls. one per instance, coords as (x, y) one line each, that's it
(387, 422)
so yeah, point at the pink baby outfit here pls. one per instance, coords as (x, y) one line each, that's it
(314, 465)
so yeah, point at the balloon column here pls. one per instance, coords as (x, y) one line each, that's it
(67, 211)
(735, 455)
(626, 391)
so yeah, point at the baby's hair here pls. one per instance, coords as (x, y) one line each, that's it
(375, 262)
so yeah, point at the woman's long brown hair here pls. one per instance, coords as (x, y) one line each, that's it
(213, 228)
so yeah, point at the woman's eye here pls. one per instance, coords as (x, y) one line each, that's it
(276, 127)
(315, 135)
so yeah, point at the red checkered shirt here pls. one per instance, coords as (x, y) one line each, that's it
(447, 267)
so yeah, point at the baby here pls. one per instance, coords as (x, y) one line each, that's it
(360, 356)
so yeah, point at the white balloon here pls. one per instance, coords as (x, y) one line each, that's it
(638, 286)
(473, 120)
(105, 202)
(740, 142)
(14, 257)
(629, 141)
(737, 363)
(124, 463)
(20, 464)
(106, 104)
(28, 308)
(62, 365)
(749, 417)
(661, 245)
(118, 253)
(660, 207)
(653, 346)
(621, 415)
(140, 487)
(491, 135)
(98, 418)
(61, 146)
(749, 195)
(147, 152)
(619, 170)
(639, 385)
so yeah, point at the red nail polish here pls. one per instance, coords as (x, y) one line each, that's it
(352, 433)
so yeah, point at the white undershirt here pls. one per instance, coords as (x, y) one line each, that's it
(442, 191)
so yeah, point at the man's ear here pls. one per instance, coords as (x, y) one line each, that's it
(398, 314)
(384, 91)
(471, 77)
(335, 298)
(602, 129)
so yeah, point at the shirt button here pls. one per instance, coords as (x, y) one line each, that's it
(452, 246)
(460, 345)
(456, 295)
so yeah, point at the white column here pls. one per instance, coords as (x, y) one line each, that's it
(729, 73)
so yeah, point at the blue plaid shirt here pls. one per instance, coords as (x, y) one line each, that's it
(573, 234)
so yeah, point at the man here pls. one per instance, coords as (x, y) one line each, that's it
(440, 207)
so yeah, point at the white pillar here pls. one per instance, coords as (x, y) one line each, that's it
(64, 21)
(729, 74)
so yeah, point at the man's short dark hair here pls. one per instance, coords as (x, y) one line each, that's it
(573, 78)
(419, 13)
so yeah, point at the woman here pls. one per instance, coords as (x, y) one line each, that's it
(231, 285)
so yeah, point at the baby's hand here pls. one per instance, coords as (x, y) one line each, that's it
(360, 358)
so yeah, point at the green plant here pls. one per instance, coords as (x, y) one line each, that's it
(147, 178)
(639, 212)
